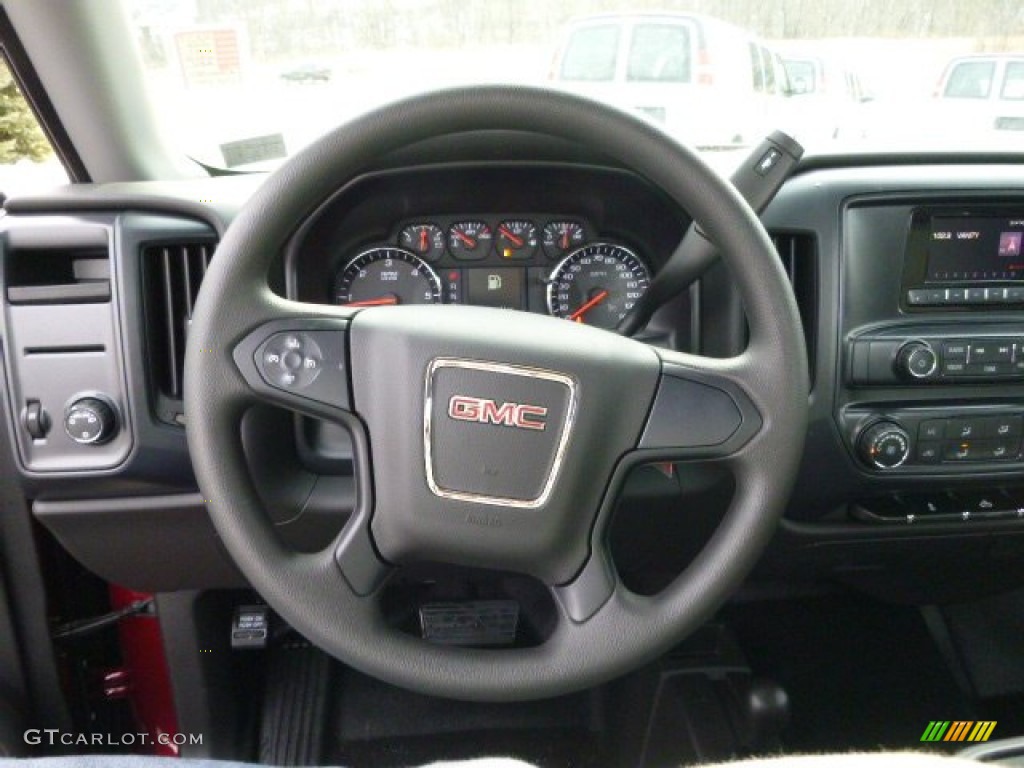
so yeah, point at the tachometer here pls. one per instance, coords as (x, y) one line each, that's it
(383, 276)
(597, 284)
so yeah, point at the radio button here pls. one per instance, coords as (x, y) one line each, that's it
(954, 369)
(920, 297)
(956, 296)
(975, 295)
(1015, 295)
(995, 295)
(954, 351)
(990, 369)
(917, 360)
(990, 352)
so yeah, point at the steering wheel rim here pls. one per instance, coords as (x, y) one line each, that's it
(603, 629)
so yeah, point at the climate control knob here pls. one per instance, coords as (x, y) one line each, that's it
(917, 360)
(884, 445)
(90, 420)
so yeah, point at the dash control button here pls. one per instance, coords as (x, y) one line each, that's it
(1004, 427)
(91, 420)
(954, 352)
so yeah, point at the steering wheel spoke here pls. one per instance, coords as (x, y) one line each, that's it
(703, 408)
(594, 586)
(356, 557)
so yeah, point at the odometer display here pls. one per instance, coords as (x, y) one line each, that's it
(382, 276)
(597, 285)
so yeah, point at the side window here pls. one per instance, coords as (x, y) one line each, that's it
(1013, 82)
(757, 68)
(660, 53)
(591, 54)
(26, 158)
(801, 75)
(970, 80)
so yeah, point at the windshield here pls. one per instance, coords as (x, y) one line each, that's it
(245, 84)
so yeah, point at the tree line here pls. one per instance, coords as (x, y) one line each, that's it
(279, 28)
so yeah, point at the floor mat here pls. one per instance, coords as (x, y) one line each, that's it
(860, 674)
(544, 749)
(378, 725)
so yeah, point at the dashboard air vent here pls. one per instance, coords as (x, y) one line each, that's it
(799, 255)
(172, 274)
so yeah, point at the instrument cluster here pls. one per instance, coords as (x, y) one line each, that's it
(538, 263)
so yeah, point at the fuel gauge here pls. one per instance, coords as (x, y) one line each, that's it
(517, 239)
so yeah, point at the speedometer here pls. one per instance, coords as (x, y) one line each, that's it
(597, 284)
(382, 276)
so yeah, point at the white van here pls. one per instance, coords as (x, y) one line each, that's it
(709, 83)
(830, 93)
(992, 84)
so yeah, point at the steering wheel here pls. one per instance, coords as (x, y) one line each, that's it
(489, 438)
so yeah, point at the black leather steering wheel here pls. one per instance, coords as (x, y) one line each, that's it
(489, 438)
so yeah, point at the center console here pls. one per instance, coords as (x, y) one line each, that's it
(933, 337)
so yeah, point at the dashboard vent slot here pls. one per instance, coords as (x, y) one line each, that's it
(173, 273)
(799, 255)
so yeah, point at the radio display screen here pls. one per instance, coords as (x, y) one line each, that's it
(970, 249)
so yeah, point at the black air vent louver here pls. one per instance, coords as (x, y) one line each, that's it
(799, 256)
(173, 273)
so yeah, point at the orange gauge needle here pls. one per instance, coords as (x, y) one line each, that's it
(469, 241)
(424, 242)
(565, 240)
(516, 241)
(382, 301)
(577, 316)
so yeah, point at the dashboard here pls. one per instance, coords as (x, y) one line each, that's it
(577, 243)
(543, 263)
(908, 280)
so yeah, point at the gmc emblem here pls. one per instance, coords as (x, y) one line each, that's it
(462, 408)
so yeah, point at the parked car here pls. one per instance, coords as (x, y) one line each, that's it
(985, 92)
(707, 82)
